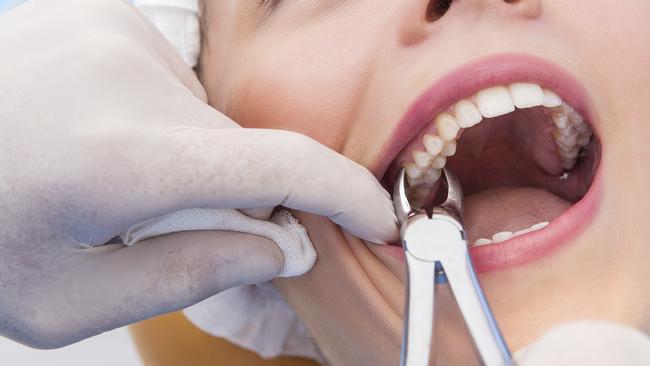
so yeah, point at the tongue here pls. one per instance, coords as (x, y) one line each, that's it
(509, 209)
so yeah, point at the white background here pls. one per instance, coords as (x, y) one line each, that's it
(109, 349)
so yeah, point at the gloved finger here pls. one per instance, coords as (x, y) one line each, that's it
(253, 168)
(162, 274)
(588, 343)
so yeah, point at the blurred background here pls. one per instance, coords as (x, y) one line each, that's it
(112, 348)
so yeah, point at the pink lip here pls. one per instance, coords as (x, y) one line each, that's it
(467, 80)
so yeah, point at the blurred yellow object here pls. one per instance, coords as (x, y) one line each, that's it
(171, 340)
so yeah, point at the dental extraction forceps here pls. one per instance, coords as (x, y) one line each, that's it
(436, 252)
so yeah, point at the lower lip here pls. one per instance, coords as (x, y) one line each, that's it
(538, 244)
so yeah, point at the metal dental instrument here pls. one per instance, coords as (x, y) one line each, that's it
(436, 251)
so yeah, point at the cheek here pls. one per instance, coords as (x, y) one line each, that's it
(301, 82)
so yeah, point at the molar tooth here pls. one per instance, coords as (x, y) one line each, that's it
(413, 182)
(421, 192)
(569, 155)
(575, 118)
(582, 128)
(567, 146)
(482, 241)
(560, 120)
(551, 99)
(431, 176)
(439, 162)
(568, 164)
(558, 133)
(502, 236)
(495, 101)
(449, 149)
(413, 171)
(433, 144)
(467, 114)
(447, 127)
(564, 108)
(421, 158)
(539, 226)
(526, 95)
(568, 140)
(583, 140)
(568, 151)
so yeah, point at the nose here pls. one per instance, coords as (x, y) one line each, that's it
(421, 18)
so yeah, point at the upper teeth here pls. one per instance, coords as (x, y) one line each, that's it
(571, 132)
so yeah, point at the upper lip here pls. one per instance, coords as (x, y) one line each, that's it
(470, 78)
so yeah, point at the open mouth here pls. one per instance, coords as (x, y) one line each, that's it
(522, 144)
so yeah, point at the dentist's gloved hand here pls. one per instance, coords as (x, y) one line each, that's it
(594, 343)
(102, 126)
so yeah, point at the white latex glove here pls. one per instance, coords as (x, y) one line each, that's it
(588, 343)
(102, 126)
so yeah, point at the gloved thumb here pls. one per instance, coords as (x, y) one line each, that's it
(588, 343)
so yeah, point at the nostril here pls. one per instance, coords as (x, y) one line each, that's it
(436, 9)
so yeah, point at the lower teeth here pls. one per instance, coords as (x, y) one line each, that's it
(507, 235)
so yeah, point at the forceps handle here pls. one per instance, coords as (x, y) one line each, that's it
(477, 314)
(418, 327)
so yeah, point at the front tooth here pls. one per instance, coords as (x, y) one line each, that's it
(439, 162)
(526, 95)
(521, 232)
(413, 171)
(467, 114)
(539, 226)
(502, 236)
(449, 149)
(495, 101)
(433, 144)
(447, 127)
(421, 158)
(551, 99)
(482, 241)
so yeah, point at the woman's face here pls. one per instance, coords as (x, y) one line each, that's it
(367, 77)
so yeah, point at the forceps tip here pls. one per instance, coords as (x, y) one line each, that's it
(401, 202)
(454, 199)
(453, 202)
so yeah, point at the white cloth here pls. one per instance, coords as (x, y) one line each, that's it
(178, 20)
(284, 230)
(254, 317)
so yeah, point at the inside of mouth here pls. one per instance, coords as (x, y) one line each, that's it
(513, 177)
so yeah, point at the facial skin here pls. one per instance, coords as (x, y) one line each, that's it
(345, 72)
